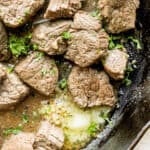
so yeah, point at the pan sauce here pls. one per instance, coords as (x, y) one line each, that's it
(79, 125)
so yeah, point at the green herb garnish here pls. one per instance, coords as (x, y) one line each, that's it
(66, 35)
(25, 118)
(114, 42)
(93, 128)
(19, 45)
(126, 80)
(10, 69)
(96, 14)
(15, 131)
(136, 41)
(63, 83)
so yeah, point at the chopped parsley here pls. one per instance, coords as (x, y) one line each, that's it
(19, 45)
(35, 47)
(135, 41)
(96, 14)
(15, 131)
(93, 128)
(126, 80)
(114, 42)
(25, 118)
(63, 84)
(66, 35)
(10, 69)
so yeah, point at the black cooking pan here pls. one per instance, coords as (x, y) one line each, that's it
(128, 95)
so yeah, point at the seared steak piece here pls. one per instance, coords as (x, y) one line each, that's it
(12, 90)
(120, 15)
(39, 71)
(49, 137)
(21, 141)
(115, 64)
(84, 20)
(62, 9)
(4, 53)
(15, 13)
(48, 37)
(87, 47)
(90, 88)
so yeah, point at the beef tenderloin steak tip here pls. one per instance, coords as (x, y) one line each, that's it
(119, 15)
(87, 47)
(84, 20)
(62, 9)
(38, 71)
(48, 37)
(115, 63)
(49, 137)
(12, 90)
(21, 141)
(15, 13)
(90, 88)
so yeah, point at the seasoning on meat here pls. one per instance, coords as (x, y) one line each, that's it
(49, 137)
(86, 47)
(48, 37)
(21, 141)
(119, 15)
(90, 88)
(4, 53)
(12, 90)
(115, 64)
(15, 13)
(40, 72)
(62, 9)
(84, 20)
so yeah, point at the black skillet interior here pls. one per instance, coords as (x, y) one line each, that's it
(128, 95)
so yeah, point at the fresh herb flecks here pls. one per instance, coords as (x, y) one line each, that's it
(66, 35)
(93, 128)
(63, 84)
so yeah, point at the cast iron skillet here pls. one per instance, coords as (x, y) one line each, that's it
(128, 95)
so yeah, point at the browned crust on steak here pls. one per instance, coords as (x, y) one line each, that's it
(90, 88)
(115, 64)
(84, 20)
(15, 13)
(21, 141)
(49, 137)
(120, 15)
(87, 47)
(12, 90)
(62, 9)
(40, 73)
(48, 37)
